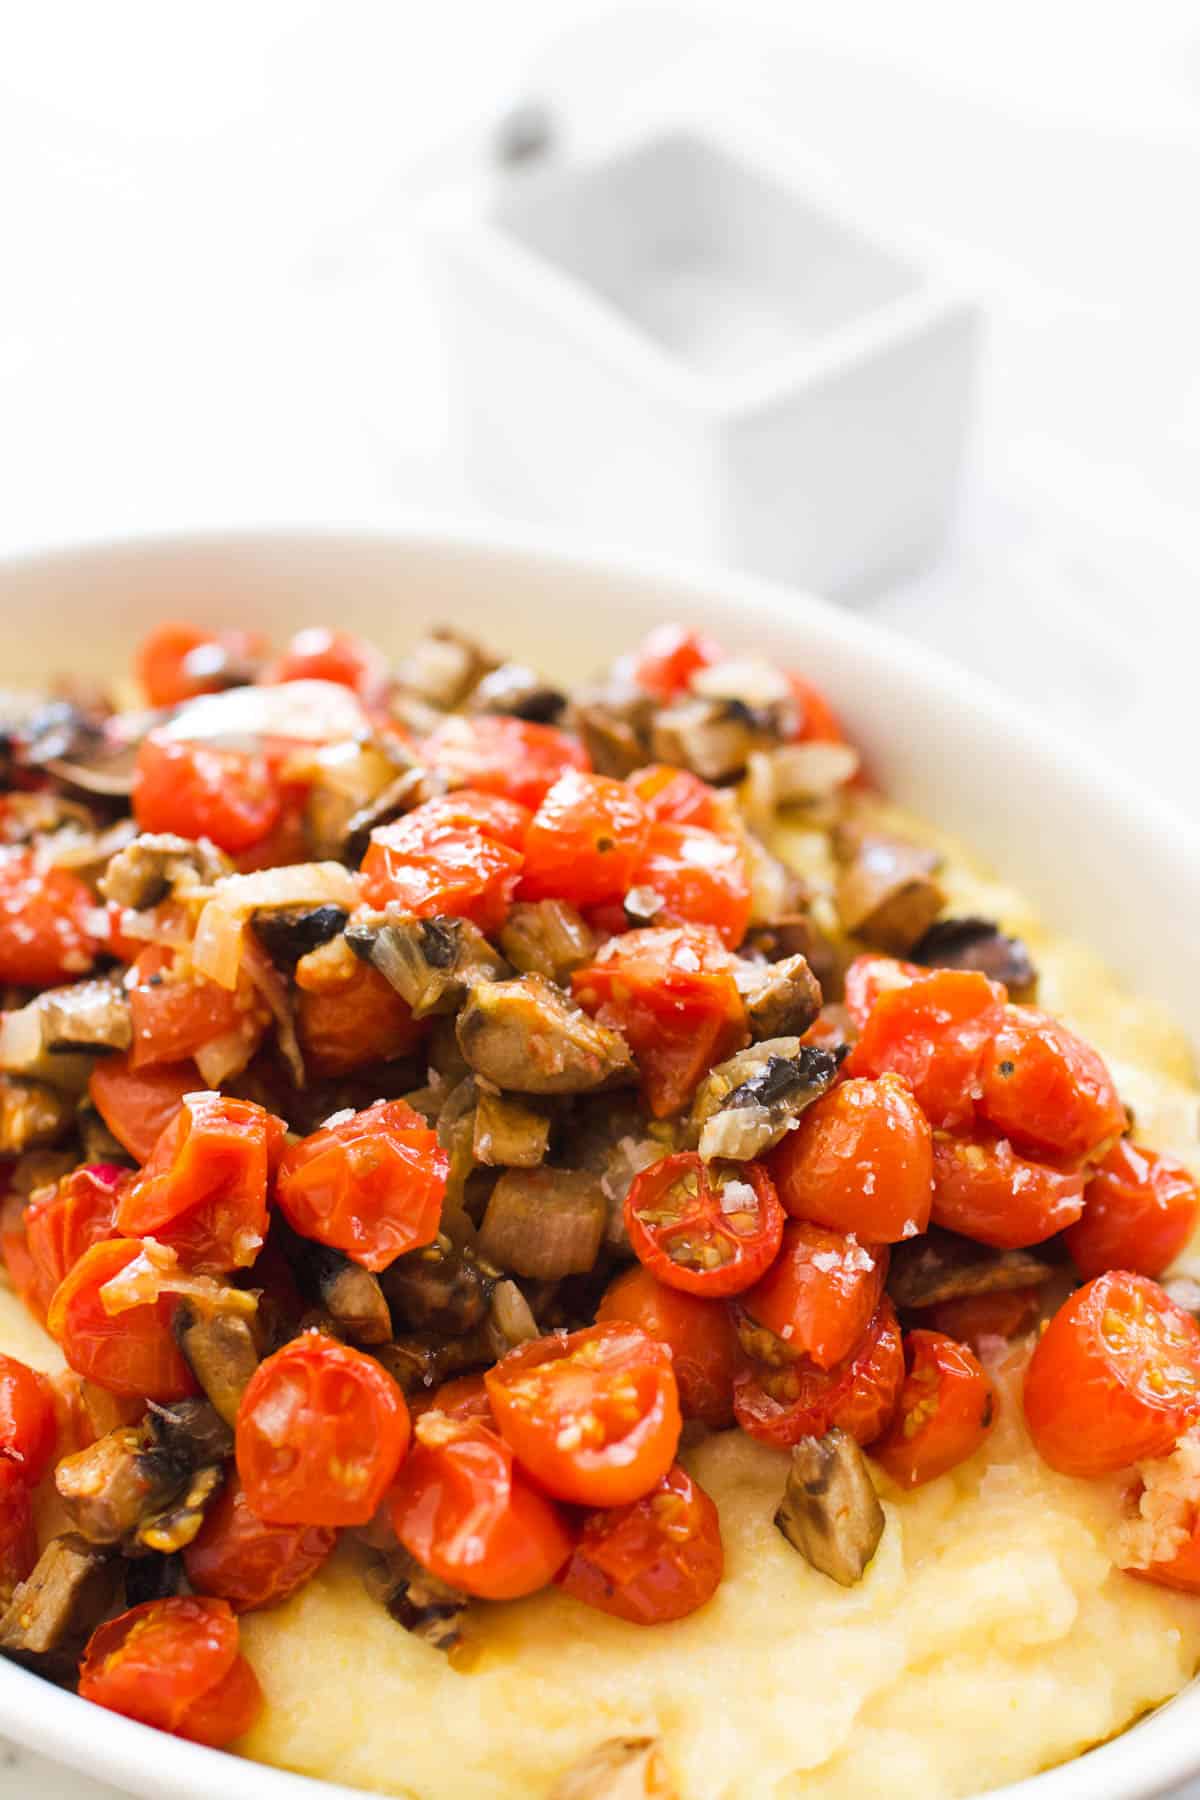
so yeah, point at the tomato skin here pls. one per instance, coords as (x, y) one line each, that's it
(936, 1033)
(462, 1397)
(171, 1663)
(861, 1159)
(18, 1536)
(227, 1711)
(697, 1332)
(1114, 1377)
(946, 1408)
(471, 1517)
(1139, 1211)
(1046, 1089)
(427, 865)
(371, 1186)
(362, 1021)
(203, 1190)
(975, 1317)
(321, 1432)
(504, 821)
(28, 1424)
(668, 657)
(318, 654)
(818, 721)
(983, 1190)
(871, 975)
(172, 1018)
(64, 1221)
(659, 1558)
(1181, 1571)
(701, 878)
(505, 756)
(820, 1294)
(858, 1395)
(593, 1415)
(137, 1105)
(240, 1558)
(195, 790)
(44, 914)
(131, 1353)
(162, 659)
(676, 797)
(585, 841)
(678, 1225)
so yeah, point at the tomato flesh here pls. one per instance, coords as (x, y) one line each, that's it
(137, 1105)
(860, 1160)
(64, 1221)
(983, 1190)
(238, 1557)
(584, 842)
(45, 935)
(870, 976)
(28, 1426)
(818, 1297)
(196, 790)
(974, 1318)
(132, 1352)
(1139, 1212)
(371, 1185)
(441, 858)
(697, 1332)
(1046, 1089)
(676, 797)
(174, 1664)
(945, 1410)
(779, 1407)
(935, 1032)
(173, 1017)
(359, 1020)
(706, 1228)
(659, 1558)
(18, 1535)
(699, 876)
(503, 756)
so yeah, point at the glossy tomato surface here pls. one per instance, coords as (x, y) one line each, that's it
(239, 1557)
(935, 1032)
(984, 1190)
(371, 1185)
(709, 1229)
(780, 1406)
(817, 1299)
(697, 1332)
(196, 790)
(45, 930)
(174, 1664)
(657, 1559)
(860, 1160)
(585, 841)
(1139, 1211)
(1047, 1090)
(132, 1351)
(945, 1409)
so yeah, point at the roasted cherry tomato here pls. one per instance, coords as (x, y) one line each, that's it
(780, 1406)
(195, 790)
(238, 1557)
(371, 1185)
(816, 1300)
(432, 861)
(464, 1397)
(1114, 1378)
(321, 1432)
(1180, 1571)
(936, 1032)
(1046, 1089)
(318, 654)
(593, 1415)
(173, 1014)
(656, 1559)
(203, 1189)
(45, 914)
(707, 1228)
(177, 662)
(63, 1221)
(672, 995)
(860, 1160)
(18, 1536)
(699, 876)
(585, 841)
(503, 756)
(28, 1428)
(669, 656)
(361, 1020)
(698, 1333)
(974, 1317)
(818, 721)
(1139, 1210)
(472, 1518)
(870, 976)
(174, 1664)
(983, 1190)
(131, 1352)
(137, 1105)
(945, 1410)
(676, 797)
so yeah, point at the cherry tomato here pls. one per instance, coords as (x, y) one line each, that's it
(1139, 1210)
(1114, 1378)
(672, 995)
(657, 1558)
(443, 859)
(974, 1317)
(593, 1415)
(1046, 1089)
(28, 1426)
(174, 1664)
(172, 1016)
(45, 914)
(585, 841)
(63, 1221)
(18, 1536)
(363, 1020)
(935, 1032)
(945, 1410)
(860, 1160)
(669, 656)
(203, 1189)
(470, 1517)
(817, 1299)
(321, 1432)
(238, 1557)
(699, 876)
(818, 721)
(698, 1333)
(676, 797)
(707, 1228)
(132, 1352)
(371, 1185)
(465, 1397)
(1180, 1571)
(137, 1105)
(870, 976)
(983, 1190)
(171, 664)
(779, 1407)
(195, 790)
(318, 654)
(500, 755)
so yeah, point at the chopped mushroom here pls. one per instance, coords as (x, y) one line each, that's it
(547, 937)
(174, 1528)
(618, 1769)
(43, 814)
(32, 1116)
(519, 692)
(612, 1138)
(429, 1608)
(511, 1320)
(400, 796)
(746, 1105)
(287, 933)
(431, 963)
(128, 1478)
(830, 1511)
(441, 1289)
(793, 934)
(942, 1266)
(86, 1016)
(509, 1134)
(158, 864)
(544, 1223)
(885, 892)
(443, 667)
(528, 1037)
(795, 775)
(713, 738)
(350, 1294)
(614, 744)
(221, 1353)
(346, 780)
(979, 944)
(63, 1601)
(782, 998)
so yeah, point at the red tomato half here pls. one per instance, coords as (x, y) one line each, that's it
(698, 1333)
(238, 1557)
(818, 1297)
(946, 1408)
(194, 790)
(172, 1017)
(28, 1426)
(45, 934)
(318, 654)
(584, 842)
(174, 1664)
(860, 1160)
(18, 1536)
(63, 1221)
(371, 1185)
(676, 797)
(870, 976)
(137, 1105)
(699, 876)
(1046, 1089)
(656, 1559)
(936, 1033)
(983, 1190)
(1139, 1210)
(133, 1352)
(438, 859)
(779, 1407)
(818, 721)
(707, 1228)
(503, 756)
(669, 656)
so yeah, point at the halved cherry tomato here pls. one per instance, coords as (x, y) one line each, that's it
(28, 1426)
(45, 914)
(503, 756)
(698, 1333)
(63, 1221)
(672, 995)
(318, 654)
(429, 862)
(818, 721)
(131, 1352)
(174, 1664)
(364, 1020)
(780, 1406)
(470, 1517)
(321, 1432)
(699, 876)
(593, 1415)
(707, 1228)
(983, 1190)
(464, 1397)
(196, 790)
(172, 1014)
(656, 1559)
(371, 1185)
(676, 797)
(946, 1408)
(1180, 1571)
(137, 1105)
(973, 1317)
(176, 662)
(870, 976)
(860, 1160)
(669, 656)
(1139, 1210)
(239, 1557)
(1046, 1089)
(585, 841)
(1114, 1378)
(203, 1189)
(816, 1300)
(18, 1536)
(936, 1032)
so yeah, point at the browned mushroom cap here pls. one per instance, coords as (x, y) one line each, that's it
(443, 667)
(443, 1289)
(518, 692)
(979, 944)
(830, 1511)
(713, 738)
(942, 1266)
(547, 937)
(87, 1016)
(747, 1104)
(129, 1477)
(782, 998)
(527, 1037)
(221, 1353)
(157, 864)
(885, 892)
(63, 1601)
(544, 1223)
(618, 1769)
(430, 962)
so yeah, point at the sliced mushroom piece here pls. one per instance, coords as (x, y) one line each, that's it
(713, 738)
(511, 1321)
(527, 1037)
(345, 780)
(431, 963)
(885, 891)
(746, 1105)
(788, 934)
(44, 814)
(350, 1295)
(117, 1482)
(805, 774)
(409, 790)
(830, 1511)
(616, 746)
(221, 1353)
(980, 944)
(442, 1289)
(518, 692)
(549, 938)
(63, 1600)
(158, 864)
(287, 933)
(509, 1134)
(443, 667)
(429, 1608)
(174, 1528)
(544, 1223)
(943, 1266)
(190, 1431)
(90, 1015)
(782, 998)
(619, 1769)
(33, 1116)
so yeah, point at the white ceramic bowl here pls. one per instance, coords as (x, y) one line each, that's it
(1101, 858)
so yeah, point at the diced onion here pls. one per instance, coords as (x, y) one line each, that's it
(217, 947)
(156, 1272)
